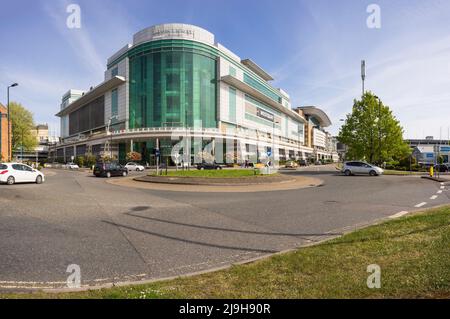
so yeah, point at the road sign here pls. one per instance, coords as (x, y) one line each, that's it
(157, 152)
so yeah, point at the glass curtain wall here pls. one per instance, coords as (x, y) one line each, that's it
(172, 89)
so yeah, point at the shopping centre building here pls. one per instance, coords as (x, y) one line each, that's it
(175, 82)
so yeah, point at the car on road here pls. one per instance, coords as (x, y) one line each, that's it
(109, 169)
(291, 164)
(209, 166)
(71, 165)
(303, 162)
(132, 166)
(358, 167)
(442, 168)
(11, 173)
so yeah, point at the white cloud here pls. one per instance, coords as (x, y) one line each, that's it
(79, 39)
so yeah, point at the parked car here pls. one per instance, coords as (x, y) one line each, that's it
(357, 167)
(318, 163)
(11, 173)
(71, 166)
(291, 164)
(109, 169)
(442, 168)
(303, 162)
(132, 166)
(205, 165)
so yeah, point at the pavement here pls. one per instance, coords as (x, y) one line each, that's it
(122, 234)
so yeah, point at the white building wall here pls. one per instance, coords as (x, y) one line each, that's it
(319, 138)
(123, 93)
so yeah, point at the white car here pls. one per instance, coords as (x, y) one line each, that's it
(71, 166)
(11, 173)
(131, 166)
(357, 167)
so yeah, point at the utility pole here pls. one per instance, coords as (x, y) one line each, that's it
(379, 130)
(363, 74)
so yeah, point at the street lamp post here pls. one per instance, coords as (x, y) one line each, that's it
(273, 142)
(110, 133)
(363, 74)
(9, 120)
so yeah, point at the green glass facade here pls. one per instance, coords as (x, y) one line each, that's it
(172, 86)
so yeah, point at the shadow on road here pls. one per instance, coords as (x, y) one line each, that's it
(233, 230)
(267, 251)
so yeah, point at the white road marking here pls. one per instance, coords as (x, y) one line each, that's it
(442, 187)
(399, 214)
(439, 192)
(434, 197)
(421, 204)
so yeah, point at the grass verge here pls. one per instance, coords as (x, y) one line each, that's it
(396, 172)
(224, 173)
(412, 251)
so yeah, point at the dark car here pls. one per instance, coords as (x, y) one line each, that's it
(203, 166)
(303, 162)
(109, 169)
(441, 168)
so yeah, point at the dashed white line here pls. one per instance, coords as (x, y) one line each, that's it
(434, 197)
(399, 214)
(439, 192)
(442, 187)
(421, 204)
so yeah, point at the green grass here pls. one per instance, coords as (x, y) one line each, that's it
(396, 172)
(413, 253)
(224, 173)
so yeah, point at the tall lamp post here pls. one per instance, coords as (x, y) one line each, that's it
(273, 142)
(363, 74)
(110, 134)
(9, 121)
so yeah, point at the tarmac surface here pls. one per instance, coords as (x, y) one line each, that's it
(118, 233)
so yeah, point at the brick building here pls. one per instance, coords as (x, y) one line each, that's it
(4, 152)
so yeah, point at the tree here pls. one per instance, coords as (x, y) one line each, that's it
(372, 133)
(21, 126)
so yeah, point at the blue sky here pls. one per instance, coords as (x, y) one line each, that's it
(312, 48)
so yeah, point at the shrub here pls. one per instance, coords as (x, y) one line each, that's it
(79, 160)
(90, 160)
(134, 156)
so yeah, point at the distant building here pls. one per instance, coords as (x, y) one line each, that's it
(4, 147)
(41, 151)
(426, 151)
(322, 143)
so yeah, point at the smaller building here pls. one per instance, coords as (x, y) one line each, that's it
(41, 151)
(4, 145)
(427, 151)
(322, 143)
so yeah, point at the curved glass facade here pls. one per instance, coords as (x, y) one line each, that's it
(172, 87)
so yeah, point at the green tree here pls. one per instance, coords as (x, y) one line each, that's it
(372, 132)
(21, 126)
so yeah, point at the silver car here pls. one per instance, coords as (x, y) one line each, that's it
(357, 167)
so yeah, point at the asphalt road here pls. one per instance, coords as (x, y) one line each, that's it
(118, 234)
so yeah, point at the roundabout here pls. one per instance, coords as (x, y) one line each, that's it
(120, 230)
(219, 185)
